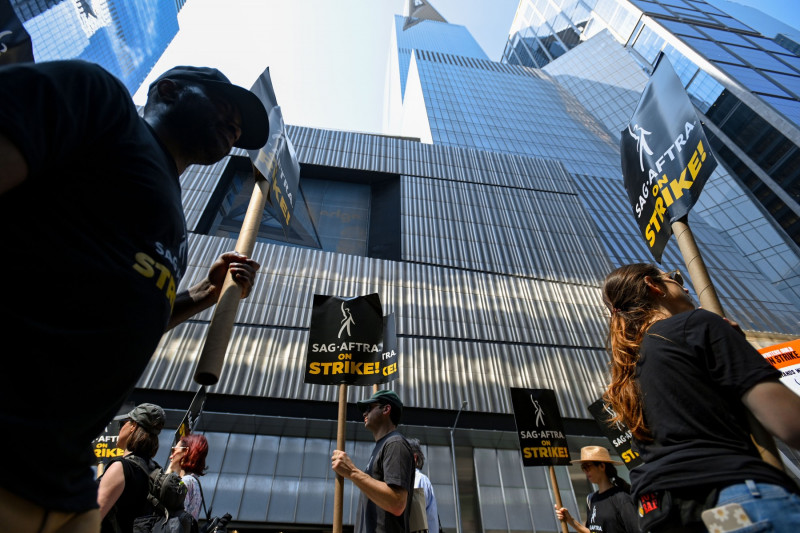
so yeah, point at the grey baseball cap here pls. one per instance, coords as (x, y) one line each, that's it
(149, 416)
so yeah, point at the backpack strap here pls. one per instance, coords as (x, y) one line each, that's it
(203, 499)
(111, 517)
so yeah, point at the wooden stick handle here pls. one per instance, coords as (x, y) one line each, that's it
(709, 300)
(338, 495)
(557, 495)
(212, 357)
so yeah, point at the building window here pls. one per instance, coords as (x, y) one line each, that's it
(340, 210)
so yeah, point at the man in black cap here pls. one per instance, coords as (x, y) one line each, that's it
(94, 248)
(387, 483)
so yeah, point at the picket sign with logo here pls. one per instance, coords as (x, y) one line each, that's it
(15, 42)
(542, 440)
(350, 342)
(786, 358)
(666, 160)
(212, 356)
(617, 433)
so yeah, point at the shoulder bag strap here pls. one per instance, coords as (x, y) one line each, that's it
(203, 499)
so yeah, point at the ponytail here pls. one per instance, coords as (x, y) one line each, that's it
(613, 477)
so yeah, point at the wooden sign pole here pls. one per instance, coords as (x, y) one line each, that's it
(212, 356)
(338, 494)
(709, 300)
(557, 495)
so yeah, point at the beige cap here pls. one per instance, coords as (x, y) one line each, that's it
(595, 454)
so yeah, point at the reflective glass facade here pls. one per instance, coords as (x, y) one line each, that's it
(730, 71)
(124, 37)
(746, 87)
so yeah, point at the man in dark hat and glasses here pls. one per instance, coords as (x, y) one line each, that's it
(388, 480)
(95, 246)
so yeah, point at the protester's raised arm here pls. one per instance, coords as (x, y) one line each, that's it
(204, 294)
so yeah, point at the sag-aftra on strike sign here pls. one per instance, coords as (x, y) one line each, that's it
(351, 342)
(665, 157)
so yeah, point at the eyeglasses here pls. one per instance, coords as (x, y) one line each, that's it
(123, 422)
(586, 466)
(675, 275)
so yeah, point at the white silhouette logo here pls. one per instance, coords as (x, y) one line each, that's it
(3, 47)
(346, 321)
(641, 143)
(594, 513)
(539, 412)
(612, 414)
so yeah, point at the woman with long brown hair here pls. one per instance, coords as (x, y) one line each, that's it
(682, 379)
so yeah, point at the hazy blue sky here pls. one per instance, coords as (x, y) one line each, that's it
(328, 58)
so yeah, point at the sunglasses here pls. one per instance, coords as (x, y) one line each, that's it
(675, 275)
(179, 448)
(123, 422)
(370, 408)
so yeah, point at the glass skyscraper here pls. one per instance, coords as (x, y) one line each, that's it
(125, 37)
(745, 87)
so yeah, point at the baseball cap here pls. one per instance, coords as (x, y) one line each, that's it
(255, 121)
(383, 396)
(148, 415)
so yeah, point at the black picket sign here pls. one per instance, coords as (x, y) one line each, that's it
(666, 158)
(540, 430)
(350, 342)
(617, 433)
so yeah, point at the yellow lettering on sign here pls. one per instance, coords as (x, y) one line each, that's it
(545, 453)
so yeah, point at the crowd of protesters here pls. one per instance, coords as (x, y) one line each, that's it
(684, 380)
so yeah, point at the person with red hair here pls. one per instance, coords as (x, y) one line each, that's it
(188, 459)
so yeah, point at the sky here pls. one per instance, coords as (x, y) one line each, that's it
(327, 59)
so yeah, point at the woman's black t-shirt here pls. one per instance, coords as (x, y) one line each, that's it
(692, 372)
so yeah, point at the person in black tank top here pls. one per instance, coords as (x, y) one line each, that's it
(123, 487)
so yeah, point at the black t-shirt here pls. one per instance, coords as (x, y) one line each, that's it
(612, 512)
(93, 249)
(132, 503)
(693, 370)
(393, 463)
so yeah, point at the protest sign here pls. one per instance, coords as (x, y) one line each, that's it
(665, 157)
(617, 433)
(346, 342)
(539, 427)
(786, 358)
(276, 160)
(15, 42)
